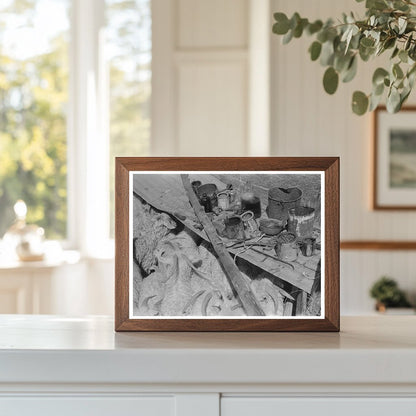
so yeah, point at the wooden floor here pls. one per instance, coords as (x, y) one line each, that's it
(165, 192)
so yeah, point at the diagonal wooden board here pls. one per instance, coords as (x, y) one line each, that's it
(166, 193)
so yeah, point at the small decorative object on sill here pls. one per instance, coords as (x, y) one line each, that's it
(27, 241)
(388, 295)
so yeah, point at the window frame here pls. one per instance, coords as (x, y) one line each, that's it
(87, 133)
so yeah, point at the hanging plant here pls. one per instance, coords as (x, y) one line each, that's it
(389, 27)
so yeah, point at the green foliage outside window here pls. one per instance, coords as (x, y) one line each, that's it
(34, 103)
(33, 99)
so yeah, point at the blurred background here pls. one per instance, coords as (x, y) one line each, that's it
(83, 81)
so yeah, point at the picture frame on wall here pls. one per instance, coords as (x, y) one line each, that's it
(227, 244)
(394, 152)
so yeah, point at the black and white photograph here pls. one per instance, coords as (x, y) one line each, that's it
(226, 244)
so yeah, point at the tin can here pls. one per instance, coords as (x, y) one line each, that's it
(196, 185)
(206, 203)
(234, 228)
(250, 224)
(286, 247)
(308, 247)
(223, 200)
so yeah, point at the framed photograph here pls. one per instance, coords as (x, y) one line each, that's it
(227, 244)
(395, 159)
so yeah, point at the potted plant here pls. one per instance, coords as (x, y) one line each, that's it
(387, 294)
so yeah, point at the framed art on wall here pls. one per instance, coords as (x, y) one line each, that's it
(227, 244)
(394, 152)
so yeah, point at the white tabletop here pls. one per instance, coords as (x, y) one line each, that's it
(45, 349)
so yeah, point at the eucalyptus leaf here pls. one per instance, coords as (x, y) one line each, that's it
(395, 52)
(402, 22)
(315, 50)
(389, 43)
(327, 54)
(288, 37)
(298, 30)
(314, 27)
(330, 80)
(378, 89)
(408, 42)
(393, 101)
(366, 53)
(359, 103)
(281, 27)
(367, 42)
(351, 72)
(376, 4)
(379, 75)
(404, 96)
(341, 62)
(397, 71)
(374, 101)
(403, 56)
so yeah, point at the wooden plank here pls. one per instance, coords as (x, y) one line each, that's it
(301, 300)
(280, 270)
(288, 309)
(237, 281)
(378, 245)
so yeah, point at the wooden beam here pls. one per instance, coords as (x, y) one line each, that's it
(301, 301)
(378, 245)
(237, 281)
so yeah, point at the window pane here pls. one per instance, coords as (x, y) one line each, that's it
(129, 46)
(33, 100)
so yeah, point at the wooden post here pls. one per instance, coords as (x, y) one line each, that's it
(237, 281)
(301, 300)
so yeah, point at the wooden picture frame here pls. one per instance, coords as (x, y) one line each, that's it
(389, 190)
(134, 171)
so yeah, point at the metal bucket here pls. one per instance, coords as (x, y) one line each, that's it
(234, 228)
(281, 200)
(301, 221)
(211, 190)
(286, 247)
(250, 202)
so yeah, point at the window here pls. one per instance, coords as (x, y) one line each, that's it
(33, 97)
(75, 87)
(129, 46)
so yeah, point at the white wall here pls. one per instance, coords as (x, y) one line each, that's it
(203, 84)
(211, 93)
(308, 122)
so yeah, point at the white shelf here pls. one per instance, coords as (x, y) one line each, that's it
(48, 349)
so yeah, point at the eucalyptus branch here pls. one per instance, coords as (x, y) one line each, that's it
(389, 25)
